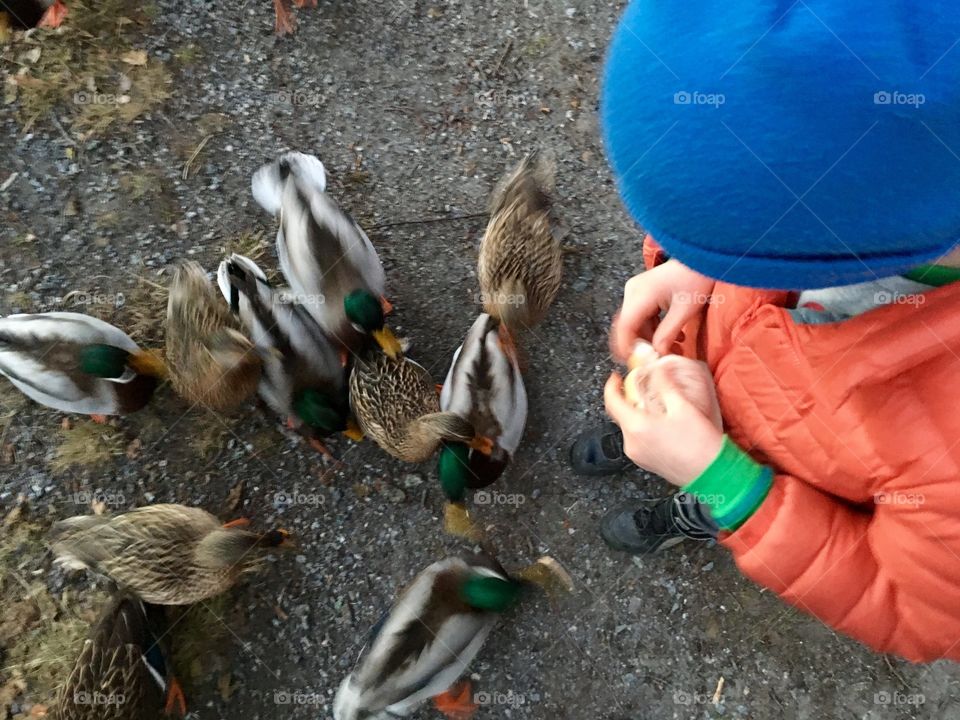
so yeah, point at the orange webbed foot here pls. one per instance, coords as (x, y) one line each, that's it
(305, 3)
(238, 523)
(175, 699)
(457, 702)
(325, 451)
(439, 387)
(284, 24)
(53, 16)
(99, 419)
(386, 305)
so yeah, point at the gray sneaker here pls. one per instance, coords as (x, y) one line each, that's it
(647, 527)
(599, 451)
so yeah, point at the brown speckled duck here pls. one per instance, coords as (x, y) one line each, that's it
(165, 554)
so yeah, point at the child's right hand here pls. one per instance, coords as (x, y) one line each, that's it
(671, 287)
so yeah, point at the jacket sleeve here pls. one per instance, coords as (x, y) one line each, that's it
(843, 564)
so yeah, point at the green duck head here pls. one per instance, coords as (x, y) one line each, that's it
(104, 361)
(489, 593)
(453, 468)
(317, 411)
(365, 311)
(110, 361)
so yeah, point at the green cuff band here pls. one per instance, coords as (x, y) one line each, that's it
(733, 486)
(935, 275)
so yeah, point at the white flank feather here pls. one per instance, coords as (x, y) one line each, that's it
(268, 182)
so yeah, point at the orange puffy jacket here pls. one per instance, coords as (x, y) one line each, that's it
(860, 421)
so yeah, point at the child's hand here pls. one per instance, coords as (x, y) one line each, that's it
(665, 433)
(672, 287)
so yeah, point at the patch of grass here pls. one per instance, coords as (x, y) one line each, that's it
(149, 187)
(86, 68)
(40, 636)
(144, 312)
(210, 435)
(188, 54)
(88, 444)
(198, 636)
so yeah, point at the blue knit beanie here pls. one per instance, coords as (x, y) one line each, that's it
(789, 145)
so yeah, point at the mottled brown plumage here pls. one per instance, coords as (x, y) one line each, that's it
(521, 262)
(165, 554)
(395, 403)
(211, 362)
(110, 679)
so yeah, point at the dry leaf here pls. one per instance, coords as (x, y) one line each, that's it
(135, 57)
(10, 90)
(99, 507)
(235, 497)
(225, 687)
(31, 56)
(133, 448)
(278, 611)
(38, 710)
(17, 513)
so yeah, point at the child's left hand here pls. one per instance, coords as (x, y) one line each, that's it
(666, 434)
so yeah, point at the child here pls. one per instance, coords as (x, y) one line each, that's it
(805, 146)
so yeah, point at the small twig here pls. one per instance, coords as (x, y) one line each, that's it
(901, 678)
(58, 126)
(471, 216)
(186, 166)
(503, 58)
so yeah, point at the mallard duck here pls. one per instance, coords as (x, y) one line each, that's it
(485, 387)
(285, 24)
(432, 633)
(165, 554)
(303, 379)
(122, 672)
(77, 363)
(26, 14)
(395, 403)
(211, 362)
(328, 260)
(521, 261)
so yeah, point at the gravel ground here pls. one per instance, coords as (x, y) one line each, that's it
(416, 109)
